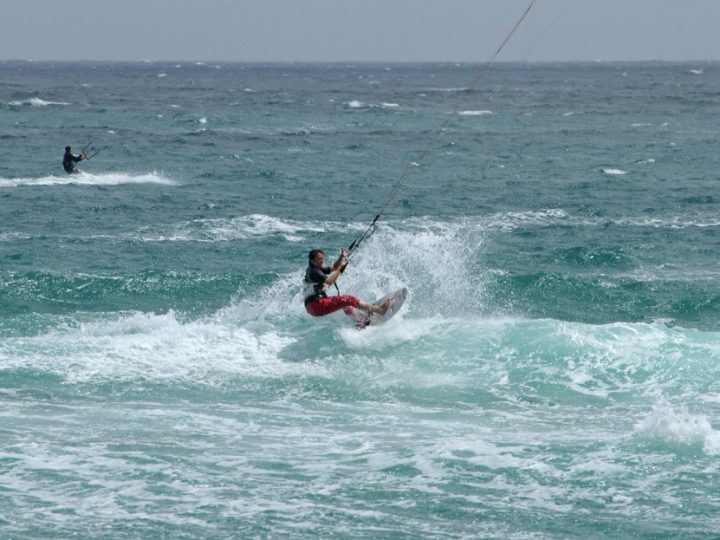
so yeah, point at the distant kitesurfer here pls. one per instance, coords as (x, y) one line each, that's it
(69, 161)
(318, 277)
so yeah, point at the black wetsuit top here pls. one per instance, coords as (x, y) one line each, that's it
(316, 275)
(69, 162)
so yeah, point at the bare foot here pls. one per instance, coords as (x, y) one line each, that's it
(384, 307)
(363, 324)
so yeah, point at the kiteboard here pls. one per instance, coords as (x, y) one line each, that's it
(394, 301)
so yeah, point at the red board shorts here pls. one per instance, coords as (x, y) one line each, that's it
(330, 304)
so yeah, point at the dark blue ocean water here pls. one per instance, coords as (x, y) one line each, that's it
(551, 375)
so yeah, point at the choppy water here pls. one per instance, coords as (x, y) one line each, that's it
(552, 375)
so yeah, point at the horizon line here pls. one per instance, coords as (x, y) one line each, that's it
(376, 62)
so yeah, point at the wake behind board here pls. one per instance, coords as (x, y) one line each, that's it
(396, 300)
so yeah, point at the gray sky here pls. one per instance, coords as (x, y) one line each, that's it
(367, 30)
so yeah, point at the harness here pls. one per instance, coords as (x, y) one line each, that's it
(312, 290)
(69, 162)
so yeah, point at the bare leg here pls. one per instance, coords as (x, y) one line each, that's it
(357, 315)
(373, 308)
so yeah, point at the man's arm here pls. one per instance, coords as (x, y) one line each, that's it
(340, 261)
(333, 275)
(337, 268)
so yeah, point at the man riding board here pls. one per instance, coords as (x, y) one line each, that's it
(69, 161)
(318, 277)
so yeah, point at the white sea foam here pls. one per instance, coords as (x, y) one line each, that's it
(417, 401)
(355, 104)
(509, 221)
(220, 230)
(475, 113)
(239, 228)
(421, 228)
(680, 427)
(408, 257)
(394, 332)
(13, 236)
(151, 346)
(87, 179)
(36, 102)
(613, 172)
(671, 222)
(450, 89)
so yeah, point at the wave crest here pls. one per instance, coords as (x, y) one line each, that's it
(87, 179)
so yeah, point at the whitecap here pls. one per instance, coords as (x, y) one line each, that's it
(36, 102)
(680, 427)
(86, 179)
(13, 236)
(671, 222)
(614, 172)
(474, 113)
(452, 89)
(354, 104)
(250, 226)
(394, 332)
(152, 346)
(532, 218)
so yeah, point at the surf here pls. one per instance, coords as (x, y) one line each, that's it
(89, 179)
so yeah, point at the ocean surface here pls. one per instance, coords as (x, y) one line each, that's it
(553, 373)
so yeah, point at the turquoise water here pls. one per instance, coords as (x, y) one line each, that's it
(552, 374)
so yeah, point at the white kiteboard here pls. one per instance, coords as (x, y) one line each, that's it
(395, 301)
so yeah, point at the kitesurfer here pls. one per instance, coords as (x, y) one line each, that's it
(318, 277)
(69, 161)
